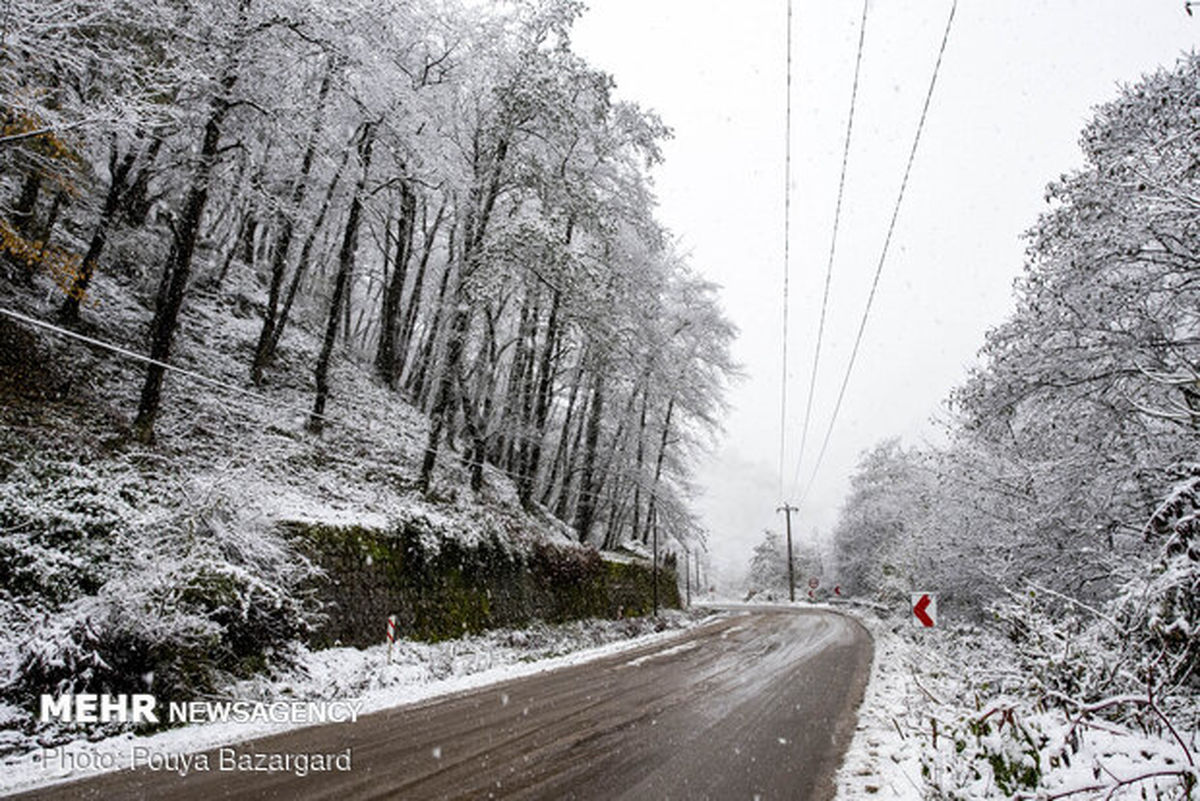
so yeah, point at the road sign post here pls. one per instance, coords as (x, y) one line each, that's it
(391, 635)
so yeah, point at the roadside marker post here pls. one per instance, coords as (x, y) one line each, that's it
(391, 636)
(924, 609)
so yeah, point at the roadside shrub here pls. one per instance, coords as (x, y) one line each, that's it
(1067, 699)
(186, 603)
(62, 525)
(1160, 607)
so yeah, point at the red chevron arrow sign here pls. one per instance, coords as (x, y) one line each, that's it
(924, 609)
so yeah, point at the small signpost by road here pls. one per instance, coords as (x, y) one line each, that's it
(924, 609)
(391, 635)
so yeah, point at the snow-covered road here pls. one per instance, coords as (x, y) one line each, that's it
(759, 704)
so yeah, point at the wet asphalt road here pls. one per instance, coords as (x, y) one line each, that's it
(757, 705)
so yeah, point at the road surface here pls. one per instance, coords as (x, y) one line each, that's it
(757, 705)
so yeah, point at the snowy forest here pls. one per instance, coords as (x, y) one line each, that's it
(1061, 510)
(271, 263)
(351, 263)
(447, 197)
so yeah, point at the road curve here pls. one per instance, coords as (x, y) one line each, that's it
(757, 705)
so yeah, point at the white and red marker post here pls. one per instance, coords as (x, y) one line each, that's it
(391, 635)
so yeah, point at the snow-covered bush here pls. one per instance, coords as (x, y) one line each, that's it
(1160, 607)
(172, 602)
(61, 526)
(1073, 700)
(111, 643)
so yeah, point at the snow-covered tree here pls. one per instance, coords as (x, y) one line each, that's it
(768, 565)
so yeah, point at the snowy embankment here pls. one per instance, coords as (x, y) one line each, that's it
(418, 672)
(949, 714)
(882, 762)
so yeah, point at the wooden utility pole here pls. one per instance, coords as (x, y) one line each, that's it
(787, 509)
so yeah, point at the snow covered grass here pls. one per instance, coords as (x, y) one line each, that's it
(419, 671)
(951, 713)
(882, 760)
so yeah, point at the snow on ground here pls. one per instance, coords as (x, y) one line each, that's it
(921, 730)
(419, 671)
(882, 760)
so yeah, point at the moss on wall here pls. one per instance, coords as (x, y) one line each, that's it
(438, 587)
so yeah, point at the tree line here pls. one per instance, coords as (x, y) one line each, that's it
(444, 192)
(1069, 468)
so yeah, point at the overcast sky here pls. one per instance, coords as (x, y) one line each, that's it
(1017, 84)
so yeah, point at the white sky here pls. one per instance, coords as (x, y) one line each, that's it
(1018, 83)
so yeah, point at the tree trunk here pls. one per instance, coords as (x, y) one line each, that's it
(442, 403)
(639, 461)
(387, 365)
(24, 211)
(512, 432)
(119, 172)
(618, 501)
(60, 199)
(135, 203)
(178, 268)
(587, 496)
(420, 383)
(564, 503)
(651, 511)
(409, 323)
(618, 440)
(244, 232)
(482, 202)
(531, 458)
(341, 286)
(563, 438)
(272, 332)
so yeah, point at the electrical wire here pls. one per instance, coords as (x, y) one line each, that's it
(883, 253)
(833, 240)
(260, 400)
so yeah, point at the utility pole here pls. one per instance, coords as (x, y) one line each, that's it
(787, 509)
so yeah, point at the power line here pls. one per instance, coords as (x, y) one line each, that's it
(883, 253)
(138, 357)
(837, 216)
(787, 219)
(263, 401)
